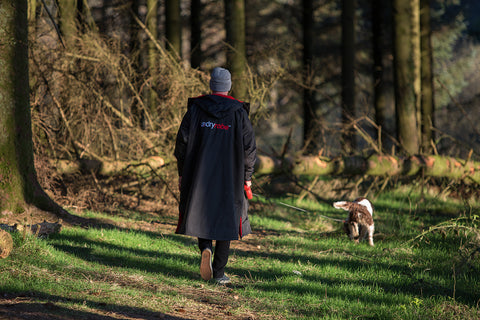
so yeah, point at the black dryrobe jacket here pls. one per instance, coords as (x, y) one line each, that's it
(216, 153)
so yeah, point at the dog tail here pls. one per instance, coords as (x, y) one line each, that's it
(345, 205)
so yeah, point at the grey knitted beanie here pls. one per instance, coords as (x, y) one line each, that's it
(221, 80)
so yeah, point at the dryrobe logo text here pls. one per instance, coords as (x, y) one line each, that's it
(213, 125)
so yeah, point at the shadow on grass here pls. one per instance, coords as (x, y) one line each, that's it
(173, 265)
(408, 283)
(112, 255)
(41, 306)
(408, 280)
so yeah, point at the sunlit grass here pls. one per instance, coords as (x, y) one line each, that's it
(288, 270)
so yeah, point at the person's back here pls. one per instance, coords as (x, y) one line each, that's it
(216, 152)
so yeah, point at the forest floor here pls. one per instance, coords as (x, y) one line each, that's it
(155, 211)
(28, 307)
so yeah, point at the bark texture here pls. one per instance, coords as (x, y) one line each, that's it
(236, 52)
(427, 98)
(18, 180)
(173, 27)
(406, 116)
(68, 24)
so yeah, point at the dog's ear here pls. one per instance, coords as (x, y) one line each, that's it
(345, 205)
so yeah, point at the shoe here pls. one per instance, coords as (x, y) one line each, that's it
(206, 270)
(223, 280)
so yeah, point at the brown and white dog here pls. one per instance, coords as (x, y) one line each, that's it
(359, 223)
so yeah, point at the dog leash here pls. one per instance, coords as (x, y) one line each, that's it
(294, 207)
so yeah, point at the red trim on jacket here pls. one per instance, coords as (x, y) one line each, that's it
(179, 222)
(240, 231)
(220, 95)
(225, 96)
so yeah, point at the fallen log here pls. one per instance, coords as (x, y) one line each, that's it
(375, 165)
(39, 229)
(108, 168)
(6, 244)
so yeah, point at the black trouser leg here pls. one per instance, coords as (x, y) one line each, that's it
(220, 258)
(204, 244)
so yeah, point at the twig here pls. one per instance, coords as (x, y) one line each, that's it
(139, 99)
(157, 45)
(113, 109)
(54, 24)
(127, 121)
(367, 138)
(89, 152)
(82, 57)
(133, 183)
(165, 183)
(308, 189)
(112, 136)
(64, 118)
(392, 138)
(451, 224)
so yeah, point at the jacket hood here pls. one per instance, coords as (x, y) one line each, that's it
(216, 105)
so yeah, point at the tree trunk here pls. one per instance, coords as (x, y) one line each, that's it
(236, 54)
(151, 23)
(310, 122)
(427, 97)
(348, 74)
(173, 27)
(108, 168)
(68, 24)
(416, 57)
(196, 33)
(18, 179)
(375, 165)
(380, 100)
(85, 16)
(32, 13)
(403, 76)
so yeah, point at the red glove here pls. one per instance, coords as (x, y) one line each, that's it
(248, 191)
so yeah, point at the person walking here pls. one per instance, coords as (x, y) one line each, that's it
(216, 153)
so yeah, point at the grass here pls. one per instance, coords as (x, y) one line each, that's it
(294, 267)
